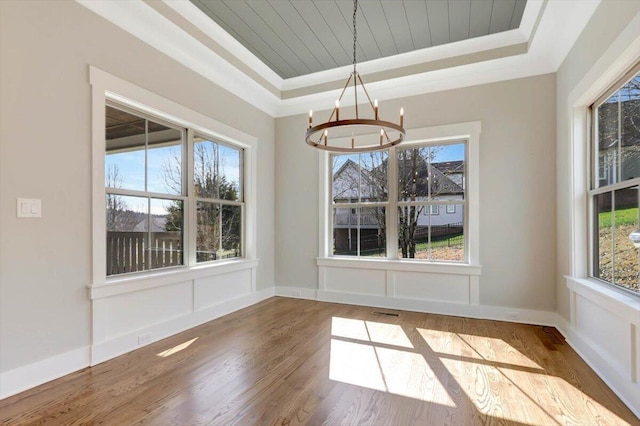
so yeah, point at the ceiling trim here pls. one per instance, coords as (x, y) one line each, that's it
(548, 30)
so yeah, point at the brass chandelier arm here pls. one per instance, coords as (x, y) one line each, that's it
(365, 92)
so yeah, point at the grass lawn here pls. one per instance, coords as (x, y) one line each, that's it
(455, 241)
(623, 217)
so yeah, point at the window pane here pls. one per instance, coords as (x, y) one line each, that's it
(447, 235)
(412, 174)
(345, 170)
(205, 168)
(373, 176)
(625, 231)
(164, 160)
(603, 244)
(127, 233)
(345, 232)
(208, 235)
(608, 139)
(231, 231)
(413, 232)
(447, 171)
(373, 240)
(630, 138)
(166, 222)
(125, 136)
(216, 171)
(229, 167)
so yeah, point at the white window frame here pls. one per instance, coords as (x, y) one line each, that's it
(451, 208)
(593, 176)
(468, 131)
(107, 88)
(145, 193)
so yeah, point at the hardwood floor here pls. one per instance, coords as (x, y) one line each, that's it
(289, 361)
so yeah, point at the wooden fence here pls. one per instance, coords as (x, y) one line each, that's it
(128, 251)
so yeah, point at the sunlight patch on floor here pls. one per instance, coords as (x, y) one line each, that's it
(477, 347)
(176, 348)
(409, 374)
(356, 364)
(389, 370)
(370, 331)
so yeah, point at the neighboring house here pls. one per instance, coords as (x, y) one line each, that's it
(447, 183)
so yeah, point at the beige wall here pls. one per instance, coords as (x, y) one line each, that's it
(45, 152)
(517, 187)
(609, 20)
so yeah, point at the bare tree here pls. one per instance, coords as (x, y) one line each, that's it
(219, 225)
(115, 203)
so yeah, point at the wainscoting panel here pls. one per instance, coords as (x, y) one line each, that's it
(142, 309)
(362, 281)
(430, 286)
(209, 291)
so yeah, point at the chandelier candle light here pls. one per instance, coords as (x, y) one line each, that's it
(390, 133)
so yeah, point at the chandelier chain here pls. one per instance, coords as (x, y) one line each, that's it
(355, 33)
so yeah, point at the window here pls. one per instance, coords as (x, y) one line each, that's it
(613, 196)
(401, 220)
(432, 210)
(425, 183)
(218, 189)
(152, 190)
(359, 203)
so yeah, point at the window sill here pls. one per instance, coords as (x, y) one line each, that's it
(625, 305)
(131, 283)
(401, 265)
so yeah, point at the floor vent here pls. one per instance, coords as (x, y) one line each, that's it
(388, 314)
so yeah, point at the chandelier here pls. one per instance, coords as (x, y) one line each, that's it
(363, 131)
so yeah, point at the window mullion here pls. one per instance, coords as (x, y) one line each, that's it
(619, 174)
(191, 214)
(392, 209)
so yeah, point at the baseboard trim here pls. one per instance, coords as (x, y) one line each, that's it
(498, 313)
(40, 372)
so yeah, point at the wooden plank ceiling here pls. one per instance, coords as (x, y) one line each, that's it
(298, 37)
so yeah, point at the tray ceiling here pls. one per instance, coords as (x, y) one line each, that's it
(299, 37)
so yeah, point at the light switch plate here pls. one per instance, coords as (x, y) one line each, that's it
(28, 207)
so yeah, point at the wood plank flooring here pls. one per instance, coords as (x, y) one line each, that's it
(289, 361)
